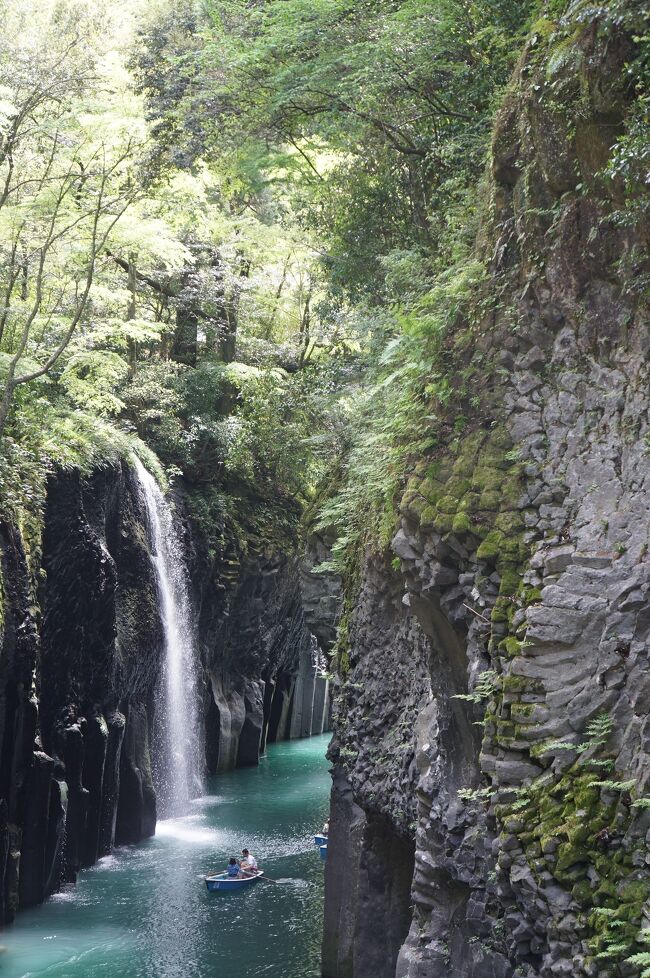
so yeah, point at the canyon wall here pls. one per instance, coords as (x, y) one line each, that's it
(492, 734)
(81, 647)
(263, 637)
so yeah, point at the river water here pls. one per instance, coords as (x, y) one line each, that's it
(144, 912)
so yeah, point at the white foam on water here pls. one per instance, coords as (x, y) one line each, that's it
(183, 831)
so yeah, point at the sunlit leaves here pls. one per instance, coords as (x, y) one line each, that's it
(91, 379)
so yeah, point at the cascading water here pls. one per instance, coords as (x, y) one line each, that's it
(177, 768)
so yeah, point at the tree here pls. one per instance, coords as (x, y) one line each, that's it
(375, 113)
(63, 188)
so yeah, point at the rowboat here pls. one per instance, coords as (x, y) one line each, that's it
(323, 852)
(221, 881)
(320, 840)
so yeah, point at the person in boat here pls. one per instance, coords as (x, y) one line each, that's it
(233, 868)
(248, 863)
(326, 829)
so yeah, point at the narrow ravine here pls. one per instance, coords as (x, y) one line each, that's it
(144, 912)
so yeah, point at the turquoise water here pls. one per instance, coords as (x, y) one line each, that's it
(144, 912)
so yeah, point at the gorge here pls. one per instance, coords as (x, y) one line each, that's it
(348, 432)
(88, 762)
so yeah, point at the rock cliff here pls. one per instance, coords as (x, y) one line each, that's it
(81, 644)
(489, 807)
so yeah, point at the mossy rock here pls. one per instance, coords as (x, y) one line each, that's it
(407, 499)
(431, 490)
(471, 445)
(519, 684)
(510, 580)
(461, 523)
(459, 487)
(510, 524)
(530, 595)
(414, 506)
(490, 501)
(582, 893)
(513, 549)
(413, 484)
(500, 441)
(521, 711)
(500, 611)
(606, 890)
(505, 730)
(471, 502)
(511, 647)
(633, 891)
(568, 857)
(511, 490)
(579, 834)
(440, 470)
(428, 517)
(447, 504)
(491, 547)
(463, 467)
(487, 478)
(443, 522)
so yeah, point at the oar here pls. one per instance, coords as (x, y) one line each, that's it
(263, 877)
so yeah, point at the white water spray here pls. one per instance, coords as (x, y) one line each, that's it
(176, 719)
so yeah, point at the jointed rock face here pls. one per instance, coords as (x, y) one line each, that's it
(493, 729)
(81, 646)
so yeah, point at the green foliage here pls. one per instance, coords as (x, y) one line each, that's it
(484, 689)
(630, 159)
(581, 816)
(470, 795)
(91, 379)
(393, 420)
(597, 733)
(374, 112)
(641, 959)
(43, 438)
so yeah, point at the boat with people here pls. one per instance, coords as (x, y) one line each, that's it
(320, 839)
(233, 884)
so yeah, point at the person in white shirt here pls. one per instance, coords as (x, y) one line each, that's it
(248, 864)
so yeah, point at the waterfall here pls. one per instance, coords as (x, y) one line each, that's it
(177, 763)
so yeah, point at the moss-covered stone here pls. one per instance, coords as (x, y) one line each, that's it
(491, 546)
(490, 500)
(461, 523)
(511, 646)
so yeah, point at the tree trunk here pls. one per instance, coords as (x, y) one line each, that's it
(184, 346)
(186, 335)
(132, 285)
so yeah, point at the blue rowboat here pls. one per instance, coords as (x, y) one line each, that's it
(221, 881)
(320, 840)
(323, 852)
